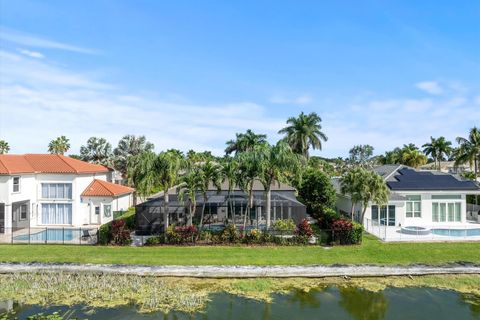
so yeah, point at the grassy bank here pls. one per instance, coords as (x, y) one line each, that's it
(371, 251)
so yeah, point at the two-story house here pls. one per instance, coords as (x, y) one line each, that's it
(47, 190)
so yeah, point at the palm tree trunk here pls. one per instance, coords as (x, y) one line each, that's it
(476, 168)
(268, 206)
(352, 210)
(203, 210)
(165, 209)
(190, 214)
(363, 213)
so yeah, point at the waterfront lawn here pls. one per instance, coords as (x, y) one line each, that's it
(372, 251)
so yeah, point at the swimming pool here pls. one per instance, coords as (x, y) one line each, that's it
(457, 232)
(50, 235)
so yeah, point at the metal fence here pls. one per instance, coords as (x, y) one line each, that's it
(464, 232)
(50, 235)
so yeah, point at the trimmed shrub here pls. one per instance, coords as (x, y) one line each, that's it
(286, 225)
(304, 229)
(104, 235)
(154, 241)
(327, 217)
(120, 233)
(316, 192)
(253, 236)
(230, 234)
(346, 232)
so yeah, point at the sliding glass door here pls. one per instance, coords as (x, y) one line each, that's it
(446, 212)
(384, 215)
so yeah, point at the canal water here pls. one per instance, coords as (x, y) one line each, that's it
(327, 303)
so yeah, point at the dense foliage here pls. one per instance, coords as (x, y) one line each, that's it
(346, 232)
(316, 192)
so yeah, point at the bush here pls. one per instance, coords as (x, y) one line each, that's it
(253, 236)
(347, 232)
(328, 216)
(230, 234)
(104, 234)
(154, 241)
(120, 233)
(316, 192)
(304, 229)
(286, 225)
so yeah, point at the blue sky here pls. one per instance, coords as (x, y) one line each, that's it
(189, 74)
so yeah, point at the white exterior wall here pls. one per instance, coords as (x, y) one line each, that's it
(344, 204)
(82, 209)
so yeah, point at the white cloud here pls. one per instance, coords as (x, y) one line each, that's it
(32, 54)
(40, 101)
(431, 87)
(299, 100)
(38, 42)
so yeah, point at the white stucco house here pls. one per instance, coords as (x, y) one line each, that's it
(46, 190)
(422, 203)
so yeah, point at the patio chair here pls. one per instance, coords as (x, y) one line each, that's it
(86, 234)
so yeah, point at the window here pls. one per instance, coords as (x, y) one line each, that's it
(375, 213)
(97, 210)
(56, 190)
(446, 211)
(56, 213)
(387, 215)
(107, 211)
(414, 207)
(446, 197)
(23, 212)
(16, 184)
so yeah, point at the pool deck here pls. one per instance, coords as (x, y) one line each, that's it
(394, 234)
(13, 237)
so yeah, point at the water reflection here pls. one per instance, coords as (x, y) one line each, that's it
(362, 304)
(322, 303)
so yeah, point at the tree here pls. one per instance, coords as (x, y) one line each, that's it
(190, 183)
(413, 158)
(167, 168)
(228, 169)
(360, 154)
(249, 168)
(129, 146)
(469, 150)
(142, 174)
(350, 185)
(316, 192)
(245, 142)
(304, 132)
(277, 164)
(4, 147)
(438, 149)
(97, 150)
(59, 145)
(196, 157)
(209, 173)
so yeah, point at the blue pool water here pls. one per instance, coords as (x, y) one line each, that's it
(50, 235)
(457, 232)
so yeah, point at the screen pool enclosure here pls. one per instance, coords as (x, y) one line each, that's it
(220, 209)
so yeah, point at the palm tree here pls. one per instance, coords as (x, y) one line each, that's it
(167, 168)
(4, 147)
(351, 185)
(413, 158)
(97, 150)
(245, 142)
(277, 164)
(129, 146)
(190, 183)
(249, 169)
(469, 150)
(438, 149)
(142, 173)
(304, 132)
(210, 172)
(59, 145)
(373, 189)
(228, 169)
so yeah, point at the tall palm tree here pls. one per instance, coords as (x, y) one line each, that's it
(228, 169)
(167, 168)
(277, 164)
(245, 142)
(4, 147)
(469, 150)
(210, 172)
(438, 149)
(142, 173)
(351, 185)
(59, 145)
(129, 146)
(249, 169)
(304, 132)
(97, 150)
(190, 183)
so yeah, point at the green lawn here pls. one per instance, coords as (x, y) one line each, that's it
(371, 251)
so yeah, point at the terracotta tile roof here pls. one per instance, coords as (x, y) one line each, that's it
(100, 188)
(45, 163)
